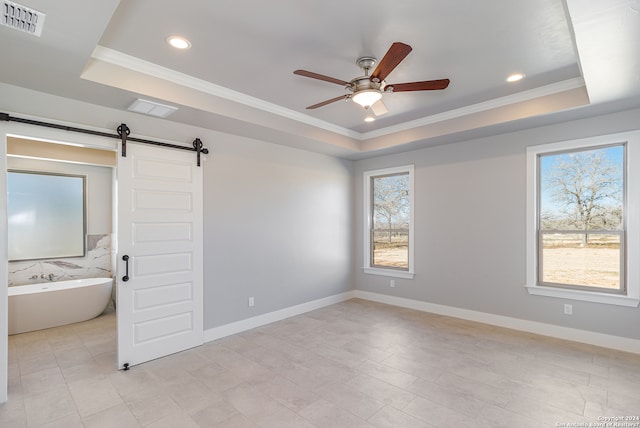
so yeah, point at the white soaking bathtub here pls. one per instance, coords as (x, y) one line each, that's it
(51, 304)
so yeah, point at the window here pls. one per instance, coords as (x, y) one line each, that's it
(388, 235)
(582, 211)
(581, 219)
(45, 215)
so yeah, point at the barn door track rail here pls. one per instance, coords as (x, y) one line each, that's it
(123, 132)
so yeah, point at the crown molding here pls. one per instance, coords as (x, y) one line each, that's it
(518, 97)
(120, 59)
(111, 56)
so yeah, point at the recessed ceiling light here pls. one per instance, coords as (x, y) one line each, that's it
(369, 119)
(178, 42)
(515, 77)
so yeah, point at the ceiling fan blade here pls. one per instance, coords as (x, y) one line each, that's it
(324, 103)
(378, 108)
(394, 56)
(427, 85)
(313, 75)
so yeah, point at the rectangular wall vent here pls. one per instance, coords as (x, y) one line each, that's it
(22, 18)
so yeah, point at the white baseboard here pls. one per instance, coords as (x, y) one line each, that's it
(572, 334)
(583, 336)
(260, 320)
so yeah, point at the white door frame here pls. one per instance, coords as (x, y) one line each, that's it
(16, 129)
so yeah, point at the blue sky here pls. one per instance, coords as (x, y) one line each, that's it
(615, 154)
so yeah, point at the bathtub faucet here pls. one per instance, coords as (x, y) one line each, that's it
(49, 277)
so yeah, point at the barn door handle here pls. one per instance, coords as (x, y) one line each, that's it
(125, 278)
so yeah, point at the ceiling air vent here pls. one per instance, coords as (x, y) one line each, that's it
(22, 18)
(151, 108)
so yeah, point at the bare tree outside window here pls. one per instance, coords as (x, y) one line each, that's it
(390, 232)
(581, 218)
(586, 189)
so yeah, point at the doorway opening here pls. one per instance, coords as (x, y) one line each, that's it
(48, 323)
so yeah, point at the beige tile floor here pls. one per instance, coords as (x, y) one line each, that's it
(354, 364)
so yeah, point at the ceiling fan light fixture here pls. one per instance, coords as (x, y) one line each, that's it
(367, 97)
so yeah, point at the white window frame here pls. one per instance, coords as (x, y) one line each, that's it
(632, 205)
(368, 221)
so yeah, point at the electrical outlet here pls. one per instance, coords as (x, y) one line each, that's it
(251, 302)
(568, 309)
(392, 283)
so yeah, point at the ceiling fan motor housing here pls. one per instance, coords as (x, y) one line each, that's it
(363, 83)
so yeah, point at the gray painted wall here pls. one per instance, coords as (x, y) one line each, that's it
(470, 228)
(277, 220)
(278, 227)
(285, 226)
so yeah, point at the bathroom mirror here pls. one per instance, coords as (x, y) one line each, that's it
(46, 215)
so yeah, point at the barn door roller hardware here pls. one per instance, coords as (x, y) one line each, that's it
(123, 132)
(123, 135)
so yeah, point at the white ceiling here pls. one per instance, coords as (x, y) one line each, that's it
(580, 57)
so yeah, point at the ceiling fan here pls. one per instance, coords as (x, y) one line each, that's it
(367, 90)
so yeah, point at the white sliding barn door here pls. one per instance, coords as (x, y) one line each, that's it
(159, 303)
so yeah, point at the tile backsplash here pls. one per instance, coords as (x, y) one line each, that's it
(96, 263)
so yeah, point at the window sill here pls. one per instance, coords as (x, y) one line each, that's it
(389, 272)
(587, 296)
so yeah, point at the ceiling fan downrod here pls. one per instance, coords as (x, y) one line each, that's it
(366, 63)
